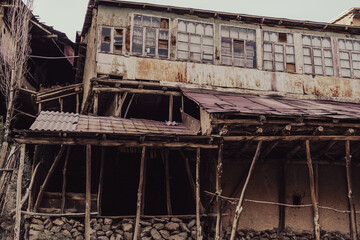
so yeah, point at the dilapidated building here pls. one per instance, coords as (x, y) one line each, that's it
(198, 124)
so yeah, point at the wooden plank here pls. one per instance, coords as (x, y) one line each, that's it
(96, 103)
(17, 227)
(46, 181)
(239, 207)
(171, 106)
(199, 235)
(137, 91)
(292, 138)
(77, 103)
(312, 191)
(63, 189)
(139, 194)
(219, 171)
(353, 228)
(88, 192)
(101, 181)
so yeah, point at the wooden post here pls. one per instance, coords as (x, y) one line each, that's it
(282, 194)
(63, 191)
(219, 170)
(171, 103)
(77, 103)
(88, 192)
(139, 194)
(312, 190)
(96, 103)
(239, 207)
(39, 107)
(46, 181)
(101, 181)
(35, 162)
(198, 223)
(165, 154)
(353, 229)
(18, 194)
(119, 103)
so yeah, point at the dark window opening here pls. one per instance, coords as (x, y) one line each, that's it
(105, 39)
(164, 23)
(290, 67)
(118, 40)
(283, 37)
(297, 198)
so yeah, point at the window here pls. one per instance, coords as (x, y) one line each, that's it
(349, 51)
(318, 57)
(195, 41)
(279, 52)
(238, 46)
(112, 40)
(150, 36)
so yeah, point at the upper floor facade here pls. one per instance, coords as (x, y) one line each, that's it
(186, 46)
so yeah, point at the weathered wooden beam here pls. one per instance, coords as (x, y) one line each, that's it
(96, 103)
(17, 227)
(171, 106)
(63, 189)
(353, 228)
(77, 103)
(199, 235)
(218, 183)
(55, 98)
(47, 178)
(312, 191)
(101, 181)
(139, 194)
(88, 192)
(137, 91)
(119, 104)
(239, 207)
(292, 138)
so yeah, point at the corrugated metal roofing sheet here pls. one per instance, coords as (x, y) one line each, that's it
(226, 102)
(71, 122)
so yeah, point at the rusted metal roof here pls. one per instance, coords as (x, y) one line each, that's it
(226, 102)
(71, 122)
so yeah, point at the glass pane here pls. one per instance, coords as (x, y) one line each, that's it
(251, 35)
(195, 39)
(306, 51)
(250, 46)
(327, 54)
(164, 53)
(317, 52)
(290, 58)
(318, 70)
(225, 31)
(183, 55)
(357, 74)
(181, 26)
(356, 65)
(348, 45)
(183, 46)
(226, 42)
(105, 31)
(326, 42)
(208, 41)
(344, 55)
(268, 65)
(146, 21)
(208, 50)
(279, 57)
(137, 19)
(306, 40)
(155, 22)
(137, 47)
(355, 56)
(318, 61)
(118, 40)
(195, 56)
(357, 45)
(195, 48)
(239, 62)
(267, 47)
(316, 41)
(243, 34)
(279, 48)
(226, 51)
(307, 60)
(345, 72)
(266, 36)
(234, 32)
(308, 69)
(138, 32)
(328, 62)
(226, 60)
(279, 66)
(267, 56)
(274, 37)
(238, 48)
(105, 47)
(164, 35)
(341, 44)
(183, 37)
(191, 27)
(200, 29)
(151, 33)
(289, 49)
(345, 64)
(329, 71)
(209, 30)
(290, 38)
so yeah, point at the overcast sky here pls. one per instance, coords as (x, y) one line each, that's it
(68, 15)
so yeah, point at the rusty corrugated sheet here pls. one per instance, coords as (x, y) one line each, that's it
(224, 102)
(71, 122)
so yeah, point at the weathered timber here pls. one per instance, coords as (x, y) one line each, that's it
(197, 177)
(3, 152)
(77, 110)
(139, 194)
(312, 191)
(171, 106)
(29, 189)
(239, 207)
(88, 192)
(63, 189)
(55, 98)
(24, 113)
(95, 103)
(219, 171)
(18, 194)
(353, 228)
(101, 181)
(119, 104)
(46, 181)
(137, 91)
(292, 138)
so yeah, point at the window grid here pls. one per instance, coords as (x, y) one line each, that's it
(238, 46)
(349, 56)
(278, 51)
(317, 54)
(195, 41)
(150, 36)
(112, 40)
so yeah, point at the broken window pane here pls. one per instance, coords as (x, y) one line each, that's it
(200, 29)
(306, 40)
(181, 26)
(283, 37)
(290, 67)
(118, 40)
(164, 24)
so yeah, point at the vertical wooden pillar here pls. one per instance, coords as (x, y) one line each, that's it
(18, 194)
(63, 192)
(219, 170)
(77, 103)
(101, 180)
(198, 223)
(282, 194)
(88, 192)
(353, 228)
(96, 103)
(312, 191)
(167, 181)
(239, 207)
(139, 194)
(171, 103)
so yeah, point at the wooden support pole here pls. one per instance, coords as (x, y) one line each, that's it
(353, 229)
(165, 154)
(171, 103)
(101, 181)
(35, 162)
(198, 223)
(312, 191)
(88, 192)
(139, 194)
(63, 189)
(46, 181)
(77, 103)
(119, 103)
(96, 103)
(18, 194)
(39, 108)
(219, 170)
(239, 207)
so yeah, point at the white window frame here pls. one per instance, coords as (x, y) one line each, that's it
(112, 41)
(201, 44)
(350, 52)
(232, 47)
(323, 57)
(144, 52)
(284, 46)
